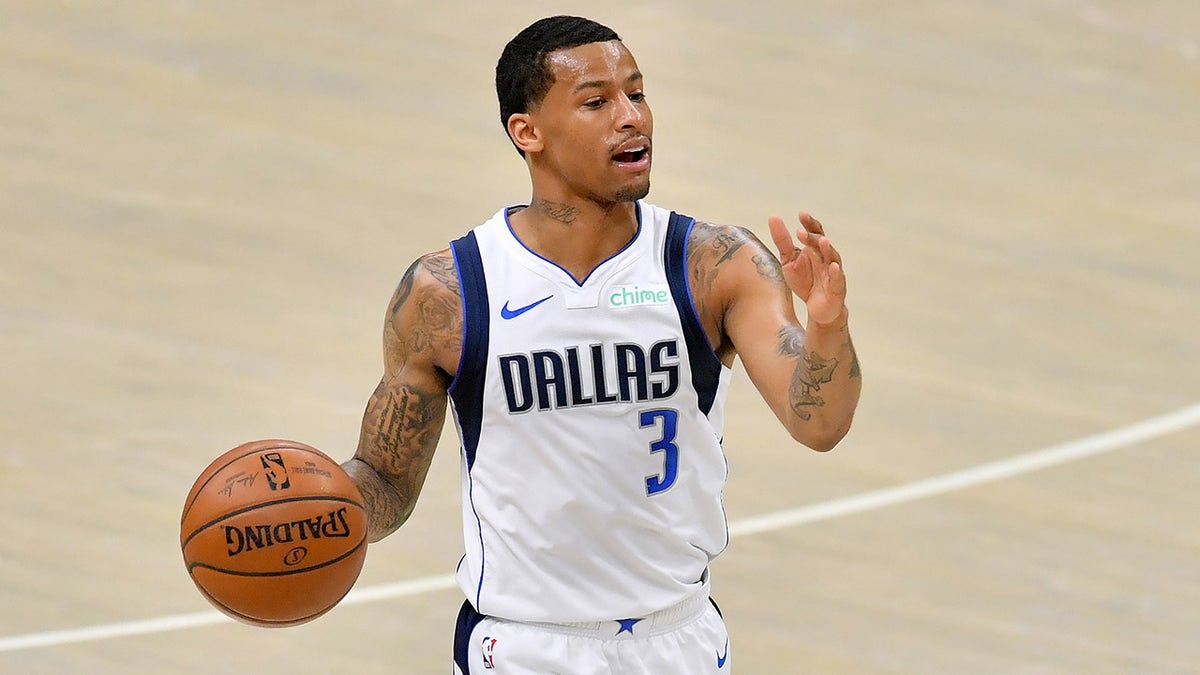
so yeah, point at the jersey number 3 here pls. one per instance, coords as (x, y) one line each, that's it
(665, 444)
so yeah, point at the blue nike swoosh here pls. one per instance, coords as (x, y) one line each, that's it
(721, 657)
(506, 313)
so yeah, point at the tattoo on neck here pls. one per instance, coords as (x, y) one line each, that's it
(563, 213)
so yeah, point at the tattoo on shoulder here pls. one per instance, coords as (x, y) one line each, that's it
(441, 266)
(426, 312)
(768, 266)
(711, 246)
(708, 248)
(405, 287)
(716, 244)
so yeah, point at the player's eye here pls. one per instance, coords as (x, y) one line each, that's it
(593, 103)
(637, 97)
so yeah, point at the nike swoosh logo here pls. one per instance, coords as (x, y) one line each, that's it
(721, 657)
(506, 313)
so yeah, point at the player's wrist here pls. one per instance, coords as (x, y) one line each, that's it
(839, 322)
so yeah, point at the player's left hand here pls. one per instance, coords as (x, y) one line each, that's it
(812, 269)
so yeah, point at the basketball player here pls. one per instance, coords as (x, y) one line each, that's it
(584, 342)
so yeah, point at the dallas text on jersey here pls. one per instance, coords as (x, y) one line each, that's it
(548, 379)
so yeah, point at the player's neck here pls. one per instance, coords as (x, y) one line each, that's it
(578, 235)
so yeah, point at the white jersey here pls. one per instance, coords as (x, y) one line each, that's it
(590, 416)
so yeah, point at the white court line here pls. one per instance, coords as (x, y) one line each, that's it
(1123, 437)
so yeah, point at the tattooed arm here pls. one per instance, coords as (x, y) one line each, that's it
(810, 376)
(422, 340)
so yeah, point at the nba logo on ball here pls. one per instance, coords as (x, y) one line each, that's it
(276, 471)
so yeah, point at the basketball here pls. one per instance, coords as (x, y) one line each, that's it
(273, 533)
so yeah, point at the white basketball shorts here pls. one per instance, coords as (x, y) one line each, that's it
(688, 639)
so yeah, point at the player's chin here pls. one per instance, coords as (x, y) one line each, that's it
(633, 186)
(633, 191)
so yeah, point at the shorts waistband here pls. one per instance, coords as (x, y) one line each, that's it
(662, 621)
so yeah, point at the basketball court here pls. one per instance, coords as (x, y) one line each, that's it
(205, 206)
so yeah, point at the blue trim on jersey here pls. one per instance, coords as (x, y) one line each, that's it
(468, 619)
(705, 364)
(637, 208)
(467, 387)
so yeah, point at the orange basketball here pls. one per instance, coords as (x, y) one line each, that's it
(274, 533)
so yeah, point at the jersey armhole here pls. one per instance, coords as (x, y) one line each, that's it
(466, 389)
(705, 364)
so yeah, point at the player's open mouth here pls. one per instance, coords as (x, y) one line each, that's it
(635, 156)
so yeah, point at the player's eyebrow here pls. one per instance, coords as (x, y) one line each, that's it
(599, 84)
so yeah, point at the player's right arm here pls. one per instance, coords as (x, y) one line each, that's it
(422, 340)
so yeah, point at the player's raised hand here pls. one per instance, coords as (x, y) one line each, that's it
(812, 267)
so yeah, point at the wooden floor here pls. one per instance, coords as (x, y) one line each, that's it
(204, 207)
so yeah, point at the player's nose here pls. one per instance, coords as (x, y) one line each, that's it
(630, 115)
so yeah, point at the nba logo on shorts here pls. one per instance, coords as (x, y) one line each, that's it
(277, 474)
(489, 644)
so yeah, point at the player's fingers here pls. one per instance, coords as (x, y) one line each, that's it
(811, 241)
(812, 253)
(811, 224)
(828, 252)
(837, 280)
(783, 240)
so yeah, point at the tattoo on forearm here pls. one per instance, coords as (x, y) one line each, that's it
(855, 370)
(375, 499)
(791, 341)
(404, 419)
(403, 425)
(812, 371)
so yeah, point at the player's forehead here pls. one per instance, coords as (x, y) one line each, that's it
(592, 64)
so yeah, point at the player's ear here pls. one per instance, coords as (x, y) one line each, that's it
(523, 133)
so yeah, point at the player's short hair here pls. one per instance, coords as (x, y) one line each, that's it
(523, 73)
